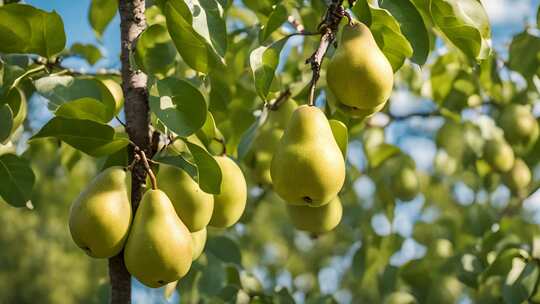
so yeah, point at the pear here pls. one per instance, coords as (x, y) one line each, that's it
(519, 124)
(264, 146)
(198, 241)
(519, 177)
(400, 297)
(405, 184)
(100, 218)
(499, 155)
(230, 203)
(193, 206)
(450, 138)
(316, 219)
(308, 167)
(359, 75)
(159, 247)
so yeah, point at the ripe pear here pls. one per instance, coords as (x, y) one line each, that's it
(193, 206)
(519, 124)
(405, 184)
(230, 203)
(316, 219)
(100, 218)
(308, 167)
(264, 147)
(499, 155)
(159, 247)
(519, 177)
(359, 75)
(198, 241)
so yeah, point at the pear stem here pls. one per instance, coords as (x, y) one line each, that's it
(147, 168)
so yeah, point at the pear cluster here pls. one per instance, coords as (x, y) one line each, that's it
(169, 229)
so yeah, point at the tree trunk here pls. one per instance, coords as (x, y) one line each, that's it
(132, 23)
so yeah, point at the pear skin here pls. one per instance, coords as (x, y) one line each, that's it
(279, 118)
(359, 75)
(230, 203)
(519, 177)
(518, 123)
(100, 218)
(405, 184)
(499, 155)
(193, 206)
(159, 247)
(308, 167)
(198, 241)
(316, 219)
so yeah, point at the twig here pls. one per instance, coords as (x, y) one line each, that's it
(296, 24)
(328, 28)
(147, 167)
(512, 208)
(120, 121)
(283, 96)
(412, 115)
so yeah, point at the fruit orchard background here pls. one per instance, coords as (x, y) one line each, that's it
(457, 242)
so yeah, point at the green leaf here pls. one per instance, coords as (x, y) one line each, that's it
(520, 281)
(341, 135)
(181, 107)
(155, 51)
(85, 108)
(87, 51)
(387, 33)
(264, 61)
(503, 262)
(412, 25)
(209, 173)
(359, 261)
(225, 249)
(25, 29)
(275, 20)
(100, 14)
(90, 137)
(17, 180)
(465, 24)
(249, 135)
(196, 51)
(378, 154)
(523, 54)
(180, 162)
(6, 122)
(62, 89)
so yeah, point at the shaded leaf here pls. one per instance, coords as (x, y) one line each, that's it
(85, 108)
(17, 180)
(275, 20)
(87, 51)
(209, 173)
(88, 136)
(6, 122)
(181, 107)
(155, 51)
(225, 249)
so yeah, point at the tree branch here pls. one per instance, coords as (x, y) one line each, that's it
(132, 23)
(328, 28)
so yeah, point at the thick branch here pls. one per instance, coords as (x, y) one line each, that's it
(132, 23)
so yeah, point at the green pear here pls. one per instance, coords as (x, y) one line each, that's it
(230, 203)
(316, 219)
(519, 177)
(159, 247)
(405, 184)
(450, 138)
(400, 297)
(359, 75)
(499, 155)
(519, 124)
(198, 241)
(100, 218)
(264, 146)
(261, 168)
(193, 206)
(308, 167)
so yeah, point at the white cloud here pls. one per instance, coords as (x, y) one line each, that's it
(508, 11)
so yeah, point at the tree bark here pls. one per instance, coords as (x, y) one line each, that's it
(132, 23)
